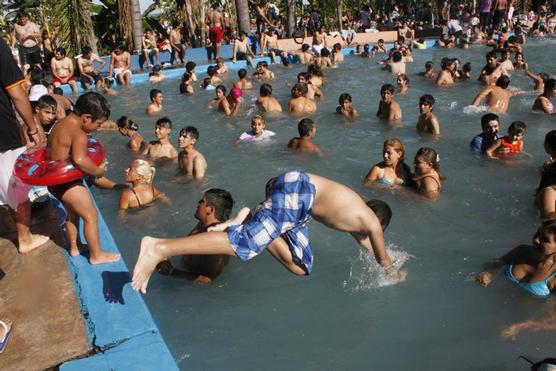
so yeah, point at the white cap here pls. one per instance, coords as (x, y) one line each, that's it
(37, 91)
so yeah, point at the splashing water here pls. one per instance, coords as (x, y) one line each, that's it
(469, 110)
(365, 273)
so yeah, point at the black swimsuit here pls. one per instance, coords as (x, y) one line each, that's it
(137, 197)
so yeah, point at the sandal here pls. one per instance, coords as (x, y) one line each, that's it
(8, 331)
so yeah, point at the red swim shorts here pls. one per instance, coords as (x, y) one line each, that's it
(216, 34)
(56, 80)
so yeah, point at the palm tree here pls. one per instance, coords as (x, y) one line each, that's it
(137, 25)
(242, 8)
(72, 19)
(124, 22)
(291, 4)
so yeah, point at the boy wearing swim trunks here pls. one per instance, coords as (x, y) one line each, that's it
(68, 142)
(216, 32)
(279, 225)
(120, 64)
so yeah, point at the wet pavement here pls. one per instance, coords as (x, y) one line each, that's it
(37, 294)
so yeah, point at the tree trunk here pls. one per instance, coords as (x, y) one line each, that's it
(291, 17)
(187, 12)
(124, 16)
(137, 25)
(340, 5)
(243, 21)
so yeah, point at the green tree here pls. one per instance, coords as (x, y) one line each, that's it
(72, 19)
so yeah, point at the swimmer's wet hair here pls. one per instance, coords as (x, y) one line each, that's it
(222, 88)
(387, 87)
(305, 47)
(211, 70)
(94, 104)
(430, 156)
(153, 93)
(427, 99)
(242, 73)
(382, 211)
(487, 118)
(550, 141)
(305, 126)
(429, 65)
(190, 131)
(190, 66)
(404, 77)
(324, 52)
(305, 75)
(258, 118)
(164, 122)
(517, 127)
(265, 90)
(126, 123)
(467, 67)
(343, 97)
(46, 101)
(397, 56)
(398, 147)
(302, 88)
(503, 81)
(548, 86)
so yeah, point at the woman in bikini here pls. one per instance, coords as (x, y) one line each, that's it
(393, 171)
(427, 172)
(141, 192)
(130, 129)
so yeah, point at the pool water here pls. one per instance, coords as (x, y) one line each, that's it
(258, 316)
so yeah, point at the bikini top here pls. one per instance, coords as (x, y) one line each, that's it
(389, 182)
(137, 197)
(538, 289)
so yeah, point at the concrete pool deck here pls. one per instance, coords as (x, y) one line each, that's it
(70, 314)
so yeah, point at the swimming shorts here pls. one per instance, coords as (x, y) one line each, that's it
(285, 213)
(30, 55)
(120, 71)
(12, 190)
(96, 78)
(59, 190)
(56, 80)
(216, 34)
(241, 56)
(539, 289)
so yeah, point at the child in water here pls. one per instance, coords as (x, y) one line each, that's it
(510, 144)
(546, 191)
(346, 108)
(142, 192)
(130, 129)
(393, 170)
(427, 172)
(257, 133)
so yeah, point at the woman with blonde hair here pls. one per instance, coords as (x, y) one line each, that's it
(393, 170)
(141, 192)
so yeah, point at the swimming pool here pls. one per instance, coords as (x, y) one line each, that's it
(259, 316)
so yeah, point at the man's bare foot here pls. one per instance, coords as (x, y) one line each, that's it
(149, 257)
(34, 241)
(104, 258)
(76, 250)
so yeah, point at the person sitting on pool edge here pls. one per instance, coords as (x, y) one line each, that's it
(284, 234)
(428, 122)
(161, 148)
(532, 267)
(299, 102)
(388, 108)
(190, 160)
(156, 102)
(490, 123)
(307, 131)
(214, 208)
(68, 141)
(266, 101)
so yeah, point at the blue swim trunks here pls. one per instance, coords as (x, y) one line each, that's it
(285, 213)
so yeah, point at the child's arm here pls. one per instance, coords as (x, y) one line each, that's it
(490, 150)
(238, 219)
(80, 158)
(481, 96)
(146, 150)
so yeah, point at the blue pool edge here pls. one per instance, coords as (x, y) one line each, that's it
(120, 329)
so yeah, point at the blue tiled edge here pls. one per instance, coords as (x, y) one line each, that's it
(176, 73)
(120, 328)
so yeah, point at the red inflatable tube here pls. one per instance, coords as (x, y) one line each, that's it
(32, 166)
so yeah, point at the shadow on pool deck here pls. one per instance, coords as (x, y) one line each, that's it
(37, 294)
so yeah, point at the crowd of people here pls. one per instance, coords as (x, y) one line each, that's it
(44, 112)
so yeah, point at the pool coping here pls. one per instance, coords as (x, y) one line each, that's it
(176, 73)
(120, 329)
